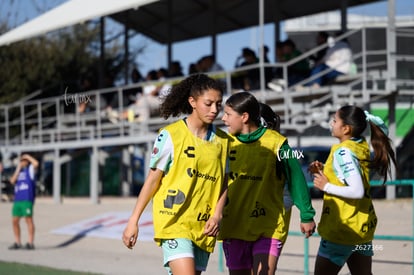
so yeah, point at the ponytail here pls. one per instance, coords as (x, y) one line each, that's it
(381, 143)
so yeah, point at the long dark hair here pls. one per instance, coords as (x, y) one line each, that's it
(176, 102)
(383, 151)
(271, 119)
(245, 102)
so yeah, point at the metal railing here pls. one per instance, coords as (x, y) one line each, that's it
(48, 121)
(406, 182)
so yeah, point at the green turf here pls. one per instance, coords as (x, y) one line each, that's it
(7, 268)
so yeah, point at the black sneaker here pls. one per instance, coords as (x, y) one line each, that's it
(15, 246)
(29, 246)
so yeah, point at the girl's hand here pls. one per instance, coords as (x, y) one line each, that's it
(212, 227)
(315, 167)
(320, 180)
(130, 235)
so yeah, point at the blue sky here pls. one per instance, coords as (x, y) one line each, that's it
(228, 45)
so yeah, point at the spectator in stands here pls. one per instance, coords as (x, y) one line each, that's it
(208, 64)
(86, 85)
(279, 59)
(269, 71)
(24, 198)
(192, 68)
(248, 79)
(136, 76)
(321, 38)
(130, 95)
(148, 103)
(300, 69)
(110, 98)
(175, 69)
(337, 61)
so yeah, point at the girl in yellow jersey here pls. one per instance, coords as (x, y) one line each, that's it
(271, 120)
(253, 226)
(187, 179)
(348, 219)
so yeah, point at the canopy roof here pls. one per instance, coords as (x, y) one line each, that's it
(177, 20)
(169, 21)
(69, 13)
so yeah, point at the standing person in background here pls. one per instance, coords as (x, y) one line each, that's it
(187, 178)
(253, 225)
(24, 198)
(348, 220)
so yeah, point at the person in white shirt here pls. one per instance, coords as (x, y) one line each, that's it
(338, 59)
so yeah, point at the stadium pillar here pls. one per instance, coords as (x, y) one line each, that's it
(56, 177)
(126, 172)
(390, 84)
(94, 190)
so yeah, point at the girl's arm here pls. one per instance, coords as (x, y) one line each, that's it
(298, 186)
(151, 184)
(212, 226)
(348, 171)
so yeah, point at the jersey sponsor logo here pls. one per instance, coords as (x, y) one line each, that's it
(23, 186)
(174, 197)
(204, 216)
(190, 151)
(369, 226)
(258, 211)
(192, 172)
(232, 155)
(234, 176)
(172, 244)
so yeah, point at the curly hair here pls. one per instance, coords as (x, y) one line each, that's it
(176, 102)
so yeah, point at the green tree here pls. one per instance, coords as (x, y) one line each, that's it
(58, 61)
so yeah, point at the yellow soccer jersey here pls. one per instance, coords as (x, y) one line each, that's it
(255, 194)
(190, 189)
(344, 220)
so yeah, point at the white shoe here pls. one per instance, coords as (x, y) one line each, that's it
(112, 116)
(275, 87)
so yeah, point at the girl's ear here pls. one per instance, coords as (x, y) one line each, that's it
(245, 117)
(192, 101)
(347, 130)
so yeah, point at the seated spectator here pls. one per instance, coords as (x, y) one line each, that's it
(279, 58)
(175, 69)
(136, 76)
(208, 64)
(249, 79)
(147, 104)
(192, 69)
(269, 71)
(321, 38)
(338, 60)
(299, 70)
(130, 95)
